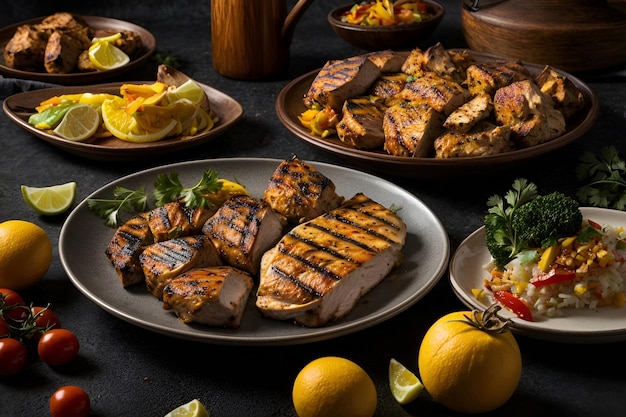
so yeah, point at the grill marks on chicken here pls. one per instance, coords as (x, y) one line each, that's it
(242, 229)
(215, 296)
(519, 110)
(299, 192)
(175, 219)
(320, 269)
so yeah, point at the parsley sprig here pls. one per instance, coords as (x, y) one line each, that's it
(603, 177)
(167, 188)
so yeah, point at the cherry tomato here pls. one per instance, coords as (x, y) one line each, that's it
(58, 346)
(70, 401)
(44, 319)
(13, 356)
(9, 301)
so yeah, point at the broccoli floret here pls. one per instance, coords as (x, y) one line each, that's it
(544, 219)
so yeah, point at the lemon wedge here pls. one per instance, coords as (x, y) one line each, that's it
(79, 123)
(52, 200)
(105, 56)
(405, 386)
(193, 408)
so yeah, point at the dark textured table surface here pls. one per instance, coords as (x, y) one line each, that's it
(129, 371)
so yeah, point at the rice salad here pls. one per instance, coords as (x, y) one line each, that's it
(586, 271)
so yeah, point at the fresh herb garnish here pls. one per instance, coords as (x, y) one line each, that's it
(604, 179)
(167, 188)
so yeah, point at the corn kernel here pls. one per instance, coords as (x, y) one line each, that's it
(568, 242)
(580, 289)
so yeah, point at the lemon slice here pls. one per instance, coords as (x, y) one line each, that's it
(405, 386)
(79, 123)
(193, 408)
(105, 56)
(52, 200)
(189, 90)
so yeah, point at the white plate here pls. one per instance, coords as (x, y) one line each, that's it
(84, 238)
(577, 326)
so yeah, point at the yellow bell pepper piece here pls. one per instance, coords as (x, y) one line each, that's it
(548, 256)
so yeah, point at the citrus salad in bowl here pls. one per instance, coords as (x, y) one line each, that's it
(546, 257)
(173, 106)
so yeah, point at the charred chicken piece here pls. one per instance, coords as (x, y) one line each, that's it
(214, 296)
(362, 123)
(321, 268)
(174, 219)
(490, 76)
(529, 113)
(483, 139)
(64, 48)
(299, 192)
(26, 49)
(465, 117)
(567, 98)
(441, 93)
(242, 229)
(410, 129)
(387, 61)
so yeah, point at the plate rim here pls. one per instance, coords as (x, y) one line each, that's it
(147, 38)
(523, 327)
(415, 166)
(219, 101)
(341, 328)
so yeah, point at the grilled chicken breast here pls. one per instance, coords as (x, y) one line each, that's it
(242, 229)
(465, 117)
(299, 192)
(162, 261)
(215, 296)
(441, 93)
(340, 80)
(64, 48)
(320, 269)
(362, 123)
(175, 219)
(125, 247)
(387, 61)
(410, 129)
(528, 112)
(484, 139)
(490, 76)
(567, 98)
(387, 86)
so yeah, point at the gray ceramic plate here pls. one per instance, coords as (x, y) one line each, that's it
(426, 256)
(20, 106)
(97, 23)
(289, 106)
(602, 325)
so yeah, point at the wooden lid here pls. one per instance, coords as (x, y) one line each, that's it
(573, 35)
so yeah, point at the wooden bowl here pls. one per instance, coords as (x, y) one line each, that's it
(573, 35)
(378, 38)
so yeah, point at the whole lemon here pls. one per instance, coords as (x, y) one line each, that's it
(25, 254)
(334, 387)
(468, 367)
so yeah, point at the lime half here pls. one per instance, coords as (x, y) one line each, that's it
(52, 200)
(193, 408)
(405, 386)
(79, 123)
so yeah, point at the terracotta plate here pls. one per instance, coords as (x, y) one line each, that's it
(98, 23)
(289, 106)
(426, 255)
(20, 106)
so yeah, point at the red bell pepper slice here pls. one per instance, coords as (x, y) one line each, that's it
(513, 303)
(553, 276)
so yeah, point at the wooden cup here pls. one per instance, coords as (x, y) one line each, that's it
(251, 38)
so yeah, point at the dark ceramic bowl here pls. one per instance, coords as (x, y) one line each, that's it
(377, 38)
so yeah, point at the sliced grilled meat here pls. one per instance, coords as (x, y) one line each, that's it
(410, 129)
(484, 139)
(162, 261)
(529, 113)
(387, 61)
(341, 79)
(438, 60)
(465, 117)
(441, 93)
(125, 247)
(362, 123)
(64, 48)
(489, 76)
(320, 269)
(414, 63)
(26, 49)
(215, 296)
(298, 191)
(242, 229)
(387, 86)
(175, 219)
